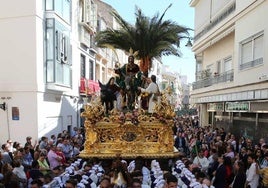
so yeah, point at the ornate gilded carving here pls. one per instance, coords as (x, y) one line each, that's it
(129, 134)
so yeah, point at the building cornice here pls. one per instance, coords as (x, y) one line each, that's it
(214, 38)
(193, 3)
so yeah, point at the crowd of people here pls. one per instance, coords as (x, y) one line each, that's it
(222, 158)
(209, 157)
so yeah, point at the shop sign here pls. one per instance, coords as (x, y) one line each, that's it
(237, 106)
(215, 107)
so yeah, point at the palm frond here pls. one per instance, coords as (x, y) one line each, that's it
(152, 37)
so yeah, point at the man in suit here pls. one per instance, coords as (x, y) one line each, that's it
(180, 142)
(220, 174)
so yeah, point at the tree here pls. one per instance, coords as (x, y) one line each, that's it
(152, 37)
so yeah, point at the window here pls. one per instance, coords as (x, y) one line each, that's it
(88, 12)
(218, 63)
(81, 11)
(58, 54)
(91, 70)
(83, 66)
(49, 4)
(61, 7)
(252, 52)
(227, 64)
(93, 16)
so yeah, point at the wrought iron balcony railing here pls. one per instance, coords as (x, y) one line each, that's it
(215, 79)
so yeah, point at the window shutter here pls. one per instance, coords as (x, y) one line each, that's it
(246, 52)
(228, 64)
(258, 47)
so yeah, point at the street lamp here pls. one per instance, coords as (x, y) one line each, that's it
(3, 106)
(189, 43)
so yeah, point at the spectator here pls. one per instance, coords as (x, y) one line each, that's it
(136, 183)
(44, 143)
(249, 144)
(61, 154)
(47, 179)
(261, 142)
(229, 170)
(43, 165)
(30, 145)
(206, 183)
(180, 142)
(105, 183)
(9, 146)
(71, 183)
(53, 159)
(230, 152)
(252, 176)
(220, 174)
(37, 152)
(243, 156)
(201, 161)
(240, 175)
(5, 155)
(35, 172)
(171, 181)
(53, 139)
(36, 184)
(76, 149)
(259, 156)
(74, 131)
(59, 142)
(27, 158)
(18, 170)
(213, 166)
(264, 162)
(57, 171)
(10, 180)
(67, 149)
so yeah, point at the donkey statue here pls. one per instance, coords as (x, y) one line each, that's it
(107, 97)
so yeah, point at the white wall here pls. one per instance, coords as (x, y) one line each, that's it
(242, 27)
(18, 130)
(218, 52)
(18, 59)
(22, 76)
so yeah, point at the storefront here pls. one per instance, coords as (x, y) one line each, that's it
(243, 118)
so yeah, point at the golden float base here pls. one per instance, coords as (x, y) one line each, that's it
(129, 134)
(129, 156)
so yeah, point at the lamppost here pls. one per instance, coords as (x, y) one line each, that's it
(4, 107)
(189, 43)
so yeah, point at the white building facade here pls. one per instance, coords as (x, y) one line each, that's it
(231, 65)
(50, 65)
(40, 68)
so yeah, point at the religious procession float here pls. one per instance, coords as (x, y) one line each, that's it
(131, 133)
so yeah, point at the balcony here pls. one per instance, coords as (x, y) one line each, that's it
(88, 87)
(214, 79)
(251, 64)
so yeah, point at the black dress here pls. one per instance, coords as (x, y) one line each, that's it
(240, 180)
(220, 177)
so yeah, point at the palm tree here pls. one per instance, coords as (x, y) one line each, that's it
(152, 37)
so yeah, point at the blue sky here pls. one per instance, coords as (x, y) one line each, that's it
(180, 12)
